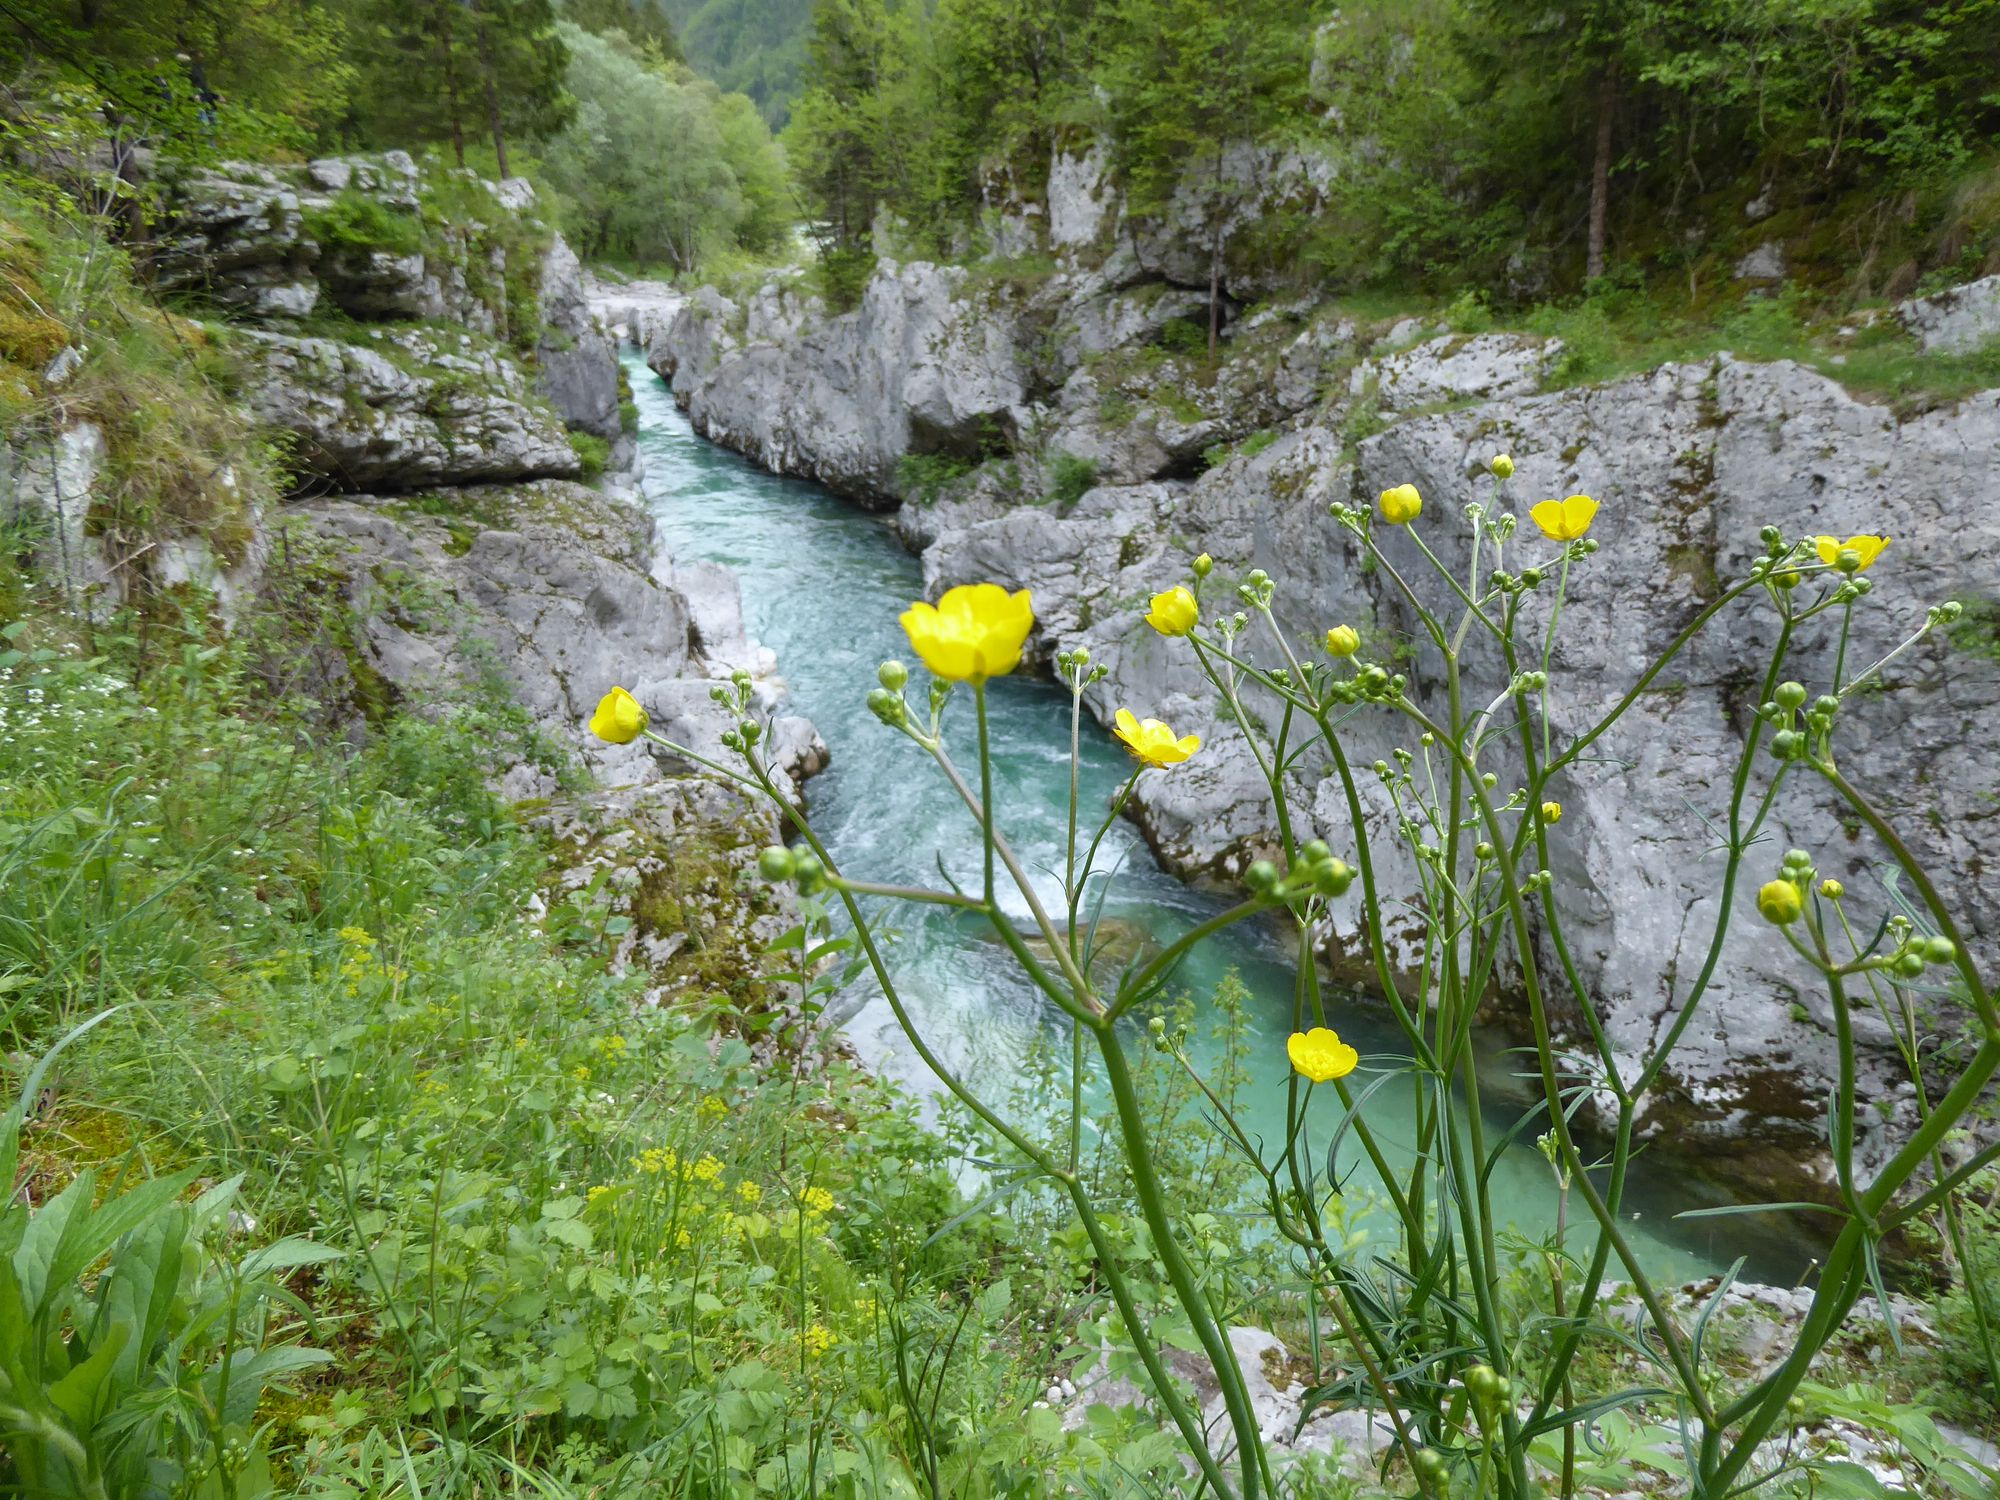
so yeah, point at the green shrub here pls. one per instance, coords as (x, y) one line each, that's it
(592, 451)
(1069, 477)
(361, 223)
(924, 477)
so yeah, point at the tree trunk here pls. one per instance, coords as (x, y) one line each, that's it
(448, 61)
(492, 95)
(1600, 175)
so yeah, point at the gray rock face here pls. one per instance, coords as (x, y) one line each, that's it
(549, 589)
(917, 368)
(274, 246)
(1689, 462)
(635, 312)
(404, 412)
(1955, 321)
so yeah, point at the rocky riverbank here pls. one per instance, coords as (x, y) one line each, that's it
(1060, 428)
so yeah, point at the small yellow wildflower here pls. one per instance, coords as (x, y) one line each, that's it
(1565, 520)
(1779, 901)
(580, 1073)
(1321, 1055)
(1867, 548)
(356, 937)
(1173, 612)
(1552, 812)
(1153, 742)
(1342, 641)
(619, 719)
(683, 1239)
(611, 1046)
(1401, 505)
(656, 1159)
(974, 632)
(817, 1200)
(706, 1170)
(817, 1340)
(713, 1107)
(599, 1193)
(749, 1192)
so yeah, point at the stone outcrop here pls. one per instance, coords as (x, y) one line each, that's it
(1241, 458)
(414, 326)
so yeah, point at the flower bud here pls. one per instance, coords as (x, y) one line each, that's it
(1333, 877)
(1908, 965)
(1770, 536)
(1847, 560)
(1158, 1026)
(1552, 812)
(751, 731)
(888, 707)
(1531, 578)
(1940, 950)
(1261, 877)
(1314, 853)
(1204, 565)
(1779, 902)
(1797, 859)
(1489, 780)
(1786, 579)
(1832, 889)
(777, 863)
(1791, 695)
(1342, 641)
(811, 873)
(893, 675)
(1785, 744)
(1483, 850)
(1503, 466)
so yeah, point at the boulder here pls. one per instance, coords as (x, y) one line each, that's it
(405, 411)
(1955, 321)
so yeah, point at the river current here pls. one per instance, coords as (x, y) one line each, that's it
(823, 583)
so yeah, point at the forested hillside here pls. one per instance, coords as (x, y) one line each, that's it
(648, 160)
(1515, 152)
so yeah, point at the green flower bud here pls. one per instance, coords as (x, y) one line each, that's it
(1940, 950)
(1430, 1464)
(1908, 965)
(1832, 889)
(811, 873)
(1333, 877)
(1158, 1026)
(1531, 578)
(1785, 744)
(1204, 565)
(1314, 853)
(893, 675)
(1779, 902)
(1826, 703)
(1848, 560)
(751, 731)
(1797, 859)
(1261, 877)
(1483, 850)
(1503, 466)
(777, 863)
(1791, 695)
(888, 707)
(1787, 579)
(1770, 536)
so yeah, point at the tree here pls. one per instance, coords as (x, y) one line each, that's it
(659, 164)
(1188, 79)
(447, 69)
(844, 153)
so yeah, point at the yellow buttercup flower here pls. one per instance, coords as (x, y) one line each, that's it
(974, 632)
(1174, 612)
(1343, 641)
(1401, 505)
(1552, 812)
(1565, 520)
(1153, 742)
(1321, 1055)
(619, 719)
(1867, 548)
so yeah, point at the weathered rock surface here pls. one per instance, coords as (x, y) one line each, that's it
(1955, 321)
(404, 411)
(1689, 462)
(349, 261)
(917, 368)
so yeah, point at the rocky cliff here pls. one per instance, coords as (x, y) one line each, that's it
(1058, 427)
(423, 346)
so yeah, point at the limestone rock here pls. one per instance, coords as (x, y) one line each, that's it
(404, 412)
(1446, 370)
(1955, 321)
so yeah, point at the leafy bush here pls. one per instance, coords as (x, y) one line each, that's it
(363, 224)
(1069, 477)
(924, 477)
